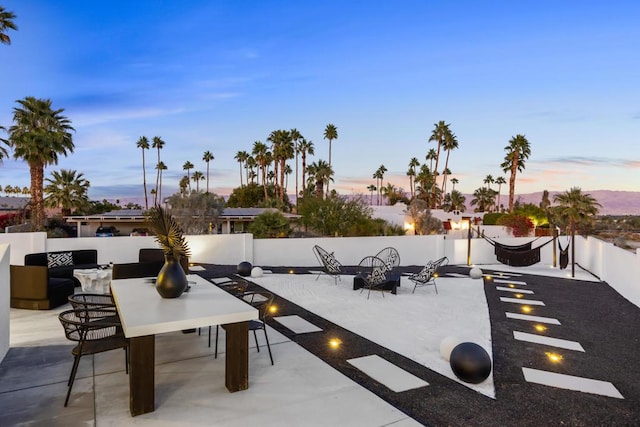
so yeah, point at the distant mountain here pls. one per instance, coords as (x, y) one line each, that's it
(613, 202)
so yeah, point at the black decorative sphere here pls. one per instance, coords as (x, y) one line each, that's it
(470, 362)
(244, 268)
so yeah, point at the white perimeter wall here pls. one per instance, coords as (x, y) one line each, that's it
(4, 299)
(618, 267)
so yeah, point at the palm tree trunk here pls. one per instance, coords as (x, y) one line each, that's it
(264, 180)
(282, 186)
(297, 175)
(304, 172)
(240, 166)
(37, 201)
(207, 177)
(144, 182)
(329, 163)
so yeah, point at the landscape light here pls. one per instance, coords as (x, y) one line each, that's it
(526, 309)
(518, 295)
(512, 286)
(273, 308)
(335, 343)
(291, 271)
(554, 357)
(540, 328)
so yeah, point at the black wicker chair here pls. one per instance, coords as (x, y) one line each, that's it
(330, 265)
(262, 300)
(427, 276)
(373, 271)
(95, 331)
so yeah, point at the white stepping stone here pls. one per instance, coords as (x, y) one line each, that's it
(514, 290)
(457, 275)
(548, 320)
(297, 324)
(511, 282)
(570, 382)
(386, 373)
(218, 280)
(504, 273)
(316, 271)
(196, 268)
(554, 342)
(521, 301)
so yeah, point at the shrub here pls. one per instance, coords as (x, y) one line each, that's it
(518, 225)
(491, 218)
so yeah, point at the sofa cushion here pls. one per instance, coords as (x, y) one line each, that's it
(59, 259)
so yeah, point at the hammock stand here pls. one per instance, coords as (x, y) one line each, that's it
(518, 255)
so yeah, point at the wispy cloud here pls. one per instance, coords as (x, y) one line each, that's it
(101, 117)
(587, 161)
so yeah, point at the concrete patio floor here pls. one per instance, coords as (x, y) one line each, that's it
(308, 385)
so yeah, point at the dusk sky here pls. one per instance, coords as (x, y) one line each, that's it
(219, 75)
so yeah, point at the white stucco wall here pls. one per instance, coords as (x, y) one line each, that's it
(5, 296)
(23, 243)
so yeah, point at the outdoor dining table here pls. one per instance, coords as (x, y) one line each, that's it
(144, 313)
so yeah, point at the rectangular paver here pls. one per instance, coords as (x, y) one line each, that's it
(541, 319)
(386, 373)
(554, 342)
(570, 382)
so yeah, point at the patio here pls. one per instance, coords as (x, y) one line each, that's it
(312, 383)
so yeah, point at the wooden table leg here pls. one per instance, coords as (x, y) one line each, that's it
(142, 363)
(237, 357)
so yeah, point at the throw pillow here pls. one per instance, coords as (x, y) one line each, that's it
(59, 259)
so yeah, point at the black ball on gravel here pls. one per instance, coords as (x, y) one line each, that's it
(470, 362)
(244, 268)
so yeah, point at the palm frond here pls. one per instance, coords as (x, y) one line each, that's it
(168, 233)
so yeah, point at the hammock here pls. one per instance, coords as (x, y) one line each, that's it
(519, 255)
(564, 255)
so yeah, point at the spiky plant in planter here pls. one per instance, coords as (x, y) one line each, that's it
(171, 281)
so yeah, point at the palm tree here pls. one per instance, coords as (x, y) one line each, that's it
(499, 180)
(6, 23)
(439, 134)
(576, 207)
(371, 189)
(39, 134)
(413, 164)
(283, 150)
(379, 176)
(518, 151)
(488, 180)
(306, 147)
(323, 173)
(143, 144)
(197, 177)
(158, 143)
(388, 190)
(250, 165)
(483, 197)
(187, 167)
(450, 143)
(287, 171)
(260, 155)
(183, 184)
(431, 156)
(207, 157)
(241, 157)
(160, 167)
(330, 133)
(8, 189)
(454, 181)
(454, 202)
(67, 189)
(295, 137)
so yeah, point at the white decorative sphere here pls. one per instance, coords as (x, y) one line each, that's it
(475, 273)
(256, 272)
(447, 345)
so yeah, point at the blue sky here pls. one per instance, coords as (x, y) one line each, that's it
(219, 75)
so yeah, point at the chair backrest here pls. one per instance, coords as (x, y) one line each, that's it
(88, 324)
(262, 300)
(390, 256)
(136, 270)
(373, 270)
(91, 301)
(328, 261)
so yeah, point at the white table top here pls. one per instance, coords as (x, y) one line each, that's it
(144, 312)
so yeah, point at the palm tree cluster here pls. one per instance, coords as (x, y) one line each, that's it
(15, 190)
(185, 182)
(267, 164)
